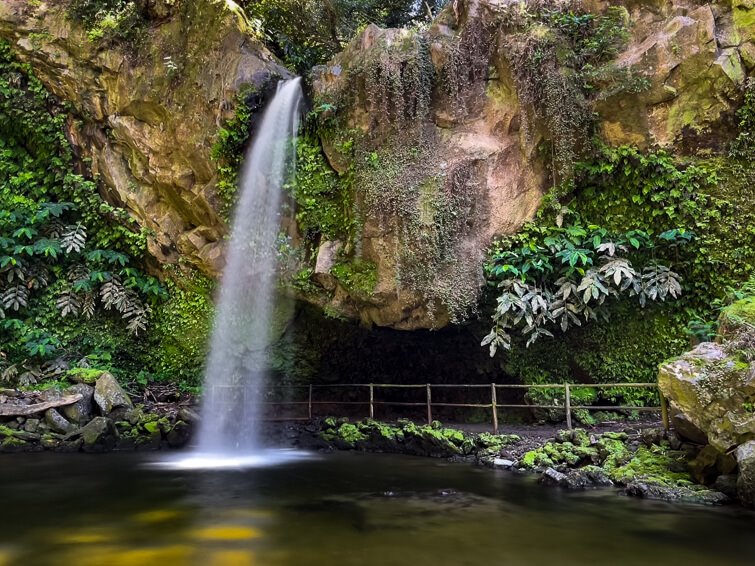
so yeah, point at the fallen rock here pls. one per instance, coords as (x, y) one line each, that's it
(727, 484)
(706, 385)
(58, 422)
(552, 477)
(687, 430)
(98, 435)
(680, 494)
(81, 411)
(503, 463)
(587, 477)
(109, 395)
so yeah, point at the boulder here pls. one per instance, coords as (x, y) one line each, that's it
(109, 395)
(58, 422)
(553, 477)
(746, 479)
(707, 385)
(81, 411)
(98, 435)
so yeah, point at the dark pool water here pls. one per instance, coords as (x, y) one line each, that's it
(339, 510)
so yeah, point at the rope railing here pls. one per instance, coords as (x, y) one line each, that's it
(371, 402)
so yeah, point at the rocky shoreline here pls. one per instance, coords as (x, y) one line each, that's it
(93, 414)
(646, 462)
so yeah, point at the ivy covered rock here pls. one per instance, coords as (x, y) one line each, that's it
(443, 138)
(713, 386)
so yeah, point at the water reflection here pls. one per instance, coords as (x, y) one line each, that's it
(339, 510)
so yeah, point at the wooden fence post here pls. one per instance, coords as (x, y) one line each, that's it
(372, 399)
(429, 406)
(494, 405)
(567, 404)
(309, 403)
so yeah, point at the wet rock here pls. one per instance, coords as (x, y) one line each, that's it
(81, 411)
(31, 425)
(727, 484)
(705, 385)
(58, 422)
(188, 415)
(503, 463)
(746, 480)
(704, 468)
(98, 435)
(687, 430)
(109, 395)
(179, 435)
(553, 477)
(681, 494)
(587, 477)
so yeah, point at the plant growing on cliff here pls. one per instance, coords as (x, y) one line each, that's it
(562, 276)
(63, 250)
(561, 61)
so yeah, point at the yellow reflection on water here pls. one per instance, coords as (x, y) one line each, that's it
(156, 516)
(124, 556)
(88, 536)
(4, 558)
(231, 558)
(227, 533)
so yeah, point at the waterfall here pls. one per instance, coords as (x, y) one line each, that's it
(237, 362)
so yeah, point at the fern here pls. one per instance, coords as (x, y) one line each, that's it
(15, 297)
(68, 303)
(73, 239)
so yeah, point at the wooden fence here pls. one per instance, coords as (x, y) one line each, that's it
(371, 403)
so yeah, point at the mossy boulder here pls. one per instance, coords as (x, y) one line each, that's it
(109, 395)
(713, 388)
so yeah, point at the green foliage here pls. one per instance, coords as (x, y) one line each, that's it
(357, 276)
(561, 276)
(305, 33)
(229, 148)
(561, 58)
(114, 22)
(744, 145)
(64, 252)
(324, 206)
(182, 326)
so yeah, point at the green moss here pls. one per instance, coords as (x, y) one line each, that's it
(84, 375)
(656, 465)
(350, 434)
(741, 312)
(182, 326)
(357, 276)
(11, 442)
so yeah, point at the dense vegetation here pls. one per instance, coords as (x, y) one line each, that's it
(631, 255)
(73, 290)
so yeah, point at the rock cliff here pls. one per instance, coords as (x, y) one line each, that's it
(147, 120)
(466, 121)
(449, 135)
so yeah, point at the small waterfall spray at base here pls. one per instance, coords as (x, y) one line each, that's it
(237, 363)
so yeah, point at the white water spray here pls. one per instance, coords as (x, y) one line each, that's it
(237, 363)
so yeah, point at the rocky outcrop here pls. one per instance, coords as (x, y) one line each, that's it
(452, 98)
(713, 387)
(148, 121)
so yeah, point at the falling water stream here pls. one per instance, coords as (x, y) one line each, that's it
(237, 362)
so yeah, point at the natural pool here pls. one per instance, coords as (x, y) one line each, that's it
(339, 510)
